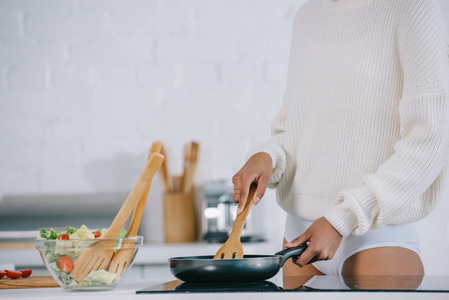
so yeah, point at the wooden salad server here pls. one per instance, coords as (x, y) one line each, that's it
(232, 248)
(99, 257)
(123, 257)
(164, 173)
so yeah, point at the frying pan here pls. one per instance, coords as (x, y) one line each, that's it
(248, 268)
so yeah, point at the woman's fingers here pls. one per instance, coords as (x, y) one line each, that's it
(307, 256)
(324, 241)
(242, 186)
(244, 191)
(257, 169)
(237, 187)
(262, 184)
(300, 240)
(241, 190)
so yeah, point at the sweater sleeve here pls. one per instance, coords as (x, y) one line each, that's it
(275, 146)
(423, 149)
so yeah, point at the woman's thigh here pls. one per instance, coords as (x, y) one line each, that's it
(384, 261)
(391, 268)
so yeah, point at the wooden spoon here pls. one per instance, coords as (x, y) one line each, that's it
(123, 257)
(99, 257)
(193, 163)
(232, 248)
(186, 174)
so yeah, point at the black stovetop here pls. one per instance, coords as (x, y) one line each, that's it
(438, 284)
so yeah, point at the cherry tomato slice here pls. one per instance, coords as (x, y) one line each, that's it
(2, 274)
(65, 264)
(26, 273)
(63, 237)
(13, 274)
(97, 234)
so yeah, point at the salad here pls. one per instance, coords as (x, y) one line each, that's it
(60, 257)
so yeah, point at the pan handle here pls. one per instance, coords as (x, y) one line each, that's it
(291, 252)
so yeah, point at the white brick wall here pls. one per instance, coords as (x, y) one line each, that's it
(86, 86)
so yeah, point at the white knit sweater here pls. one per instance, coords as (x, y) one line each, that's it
(363, 134)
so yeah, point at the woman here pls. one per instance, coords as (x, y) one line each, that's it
(360, 147)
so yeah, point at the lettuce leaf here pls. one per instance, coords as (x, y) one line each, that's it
(70, 230)
(98, 278)
(51, 234)
(122, 233)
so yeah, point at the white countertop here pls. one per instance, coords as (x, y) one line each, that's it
(127, 290)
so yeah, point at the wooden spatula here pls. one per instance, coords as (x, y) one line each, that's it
(122, 258)
(232, 248)
(100, 256)
(187, 153)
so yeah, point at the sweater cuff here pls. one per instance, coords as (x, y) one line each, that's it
(354, 212)
(277, 155)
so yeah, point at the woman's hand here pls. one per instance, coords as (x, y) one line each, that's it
(257, 169)
(324, 242)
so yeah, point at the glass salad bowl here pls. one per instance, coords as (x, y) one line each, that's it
(60, 257)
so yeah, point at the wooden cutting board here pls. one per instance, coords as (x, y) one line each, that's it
(34, 281)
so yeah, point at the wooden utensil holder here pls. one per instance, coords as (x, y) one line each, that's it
(179, 217)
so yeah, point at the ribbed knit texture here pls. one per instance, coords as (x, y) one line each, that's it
(363, 134)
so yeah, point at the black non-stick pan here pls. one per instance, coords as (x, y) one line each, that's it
(248, 268)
